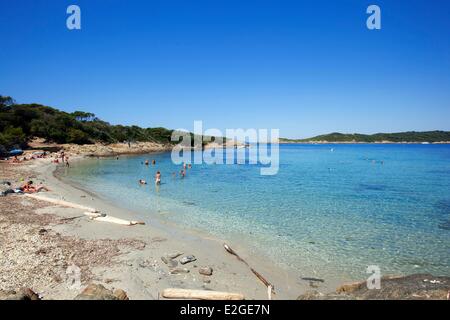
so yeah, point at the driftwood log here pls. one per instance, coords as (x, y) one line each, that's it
(175, 293)
(61, 202)
(90, 212)
(117, 220)
(270, 287)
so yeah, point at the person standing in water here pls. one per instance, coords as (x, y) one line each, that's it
(158, 178)
(153, 162)
(146, 162)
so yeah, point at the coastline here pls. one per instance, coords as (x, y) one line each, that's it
(359, 142)
(141, 272)
(129, 257)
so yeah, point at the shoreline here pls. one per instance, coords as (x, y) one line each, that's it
(131, 255)
(229, 274)
(256, 255)
(181, 233)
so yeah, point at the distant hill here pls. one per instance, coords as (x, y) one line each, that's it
(409, 137)
(21, 122)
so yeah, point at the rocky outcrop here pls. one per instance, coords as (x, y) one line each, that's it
(99, 292)
(22, 294)
(206, 271)
(412, 287)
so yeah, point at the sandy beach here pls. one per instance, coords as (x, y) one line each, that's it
(41, 240)
(43, 243)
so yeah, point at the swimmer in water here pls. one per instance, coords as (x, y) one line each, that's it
(142, 181)
(158, 178)
(182, 173)
(153, 162)
(146, 162)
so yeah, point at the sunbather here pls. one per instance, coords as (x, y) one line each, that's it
(30, 188)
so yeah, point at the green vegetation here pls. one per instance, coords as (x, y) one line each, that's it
(410, 136)
(21, 122)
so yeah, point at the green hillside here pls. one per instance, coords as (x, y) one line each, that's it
(20, 122)
(410, 136)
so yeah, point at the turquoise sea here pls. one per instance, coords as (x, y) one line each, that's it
(331, 211)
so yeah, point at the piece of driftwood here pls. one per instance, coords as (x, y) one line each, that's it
(312, 279)
(270, 287)
(71, 218)
(89, 214)
(61, 202)
(175, 293)
(117, 220)
(94, 214)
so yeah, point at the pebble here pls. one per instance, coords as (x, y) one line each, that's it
(206, 280)
(206, 271)
(179, 270)
(187, 259)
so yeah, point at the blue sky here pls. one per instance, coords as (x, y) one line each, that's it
(305, 67)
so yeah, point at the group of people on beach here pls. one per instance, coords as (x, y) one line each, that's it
(27, 187)
(34, 156)
(58, 158)
(64, 159)
(158, 173)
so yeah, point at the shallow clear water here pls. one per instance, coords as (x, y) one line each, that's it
(327, 213)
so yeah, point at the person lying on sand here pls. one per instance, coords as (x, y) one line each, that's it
(30, 188)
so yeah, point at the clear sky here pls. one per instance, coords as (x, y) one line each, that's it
(305, 67)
